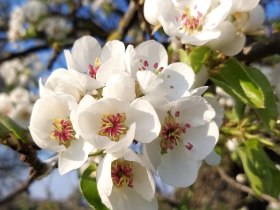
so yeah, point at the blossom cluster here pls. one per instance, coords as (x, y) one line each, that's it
(17, 105)
(219, 24)
(113, 97)
(33, 18)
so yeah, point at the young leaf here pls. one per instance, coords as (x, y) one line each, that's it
(269, 114)
(88, 187)
(261, 171)
(239, 83)
(198, 57)
(8, 125)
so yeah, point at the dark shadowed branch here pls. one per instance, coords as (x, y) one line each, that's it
(261, 49)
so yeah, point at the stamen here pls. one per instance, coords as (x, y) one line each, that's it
(63, 131)
(122, 173)
(113, 126)
(171, 133)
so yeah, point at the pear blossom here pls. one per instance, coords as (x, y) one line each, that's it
(194, 22)
(88, 57)
(74, 83)
(52, 128)
(125, 182)
(112, 125)
(244, 18)
(156, 81)
(188, 135)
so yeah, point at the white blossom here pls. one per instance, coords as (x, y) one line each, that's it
(125, 182)
(52, 128)
(188, 134)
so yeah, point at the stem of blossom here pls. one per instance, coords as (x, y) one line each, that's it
(97, 153)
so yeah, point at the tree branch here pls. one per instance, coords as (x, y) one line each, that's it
(31, 50)
(125, 22)
(244, 188)
(261, 49)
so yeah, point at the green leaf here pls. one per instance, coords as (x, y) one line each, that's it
(261, 171)
(239, 109)
(88, 187)
(234, 76)
(198, 57)
(269, 114)
(9, 127)
(183, 56)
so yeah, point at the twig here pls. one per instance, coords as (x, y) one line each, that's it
(17, 191)
(244, 188)
(261, 49)
(125, 22)
(51, 164)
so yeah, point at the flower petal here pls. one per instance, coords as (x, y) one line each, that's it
(177, 168)
(147, 122)
(193, 110)
(178, 78)
(85, 50)
(111, 49)
(203, 139)
(120, 86)
(74, 157)
(127, 198)
(150, 83)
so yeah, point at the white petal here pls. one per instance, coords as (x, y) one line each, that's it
(235, 46)
(193, 110)
(114, 65)
(151, 10)
(218, 15)
(213, 159)
(143, 182)
(45, 142)
(203, 139)
(111, 49)
(42, 118)
(123, 143)
(201, 77)
(219, 117)
(152, 153)
(150, 83)
(147, 122)
(256, 19)
(85, 50)
(153, 52)
(198, 91)
(127, 198)
(103, 175)
(74, 156)
(71, 62)
(120, 86)
(178, 78)
(200, 38)
(240, 5)
(169, 18)
(177, 168)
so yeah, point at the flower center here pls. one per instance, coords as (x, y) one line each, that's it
(92, 69)
(113, 126)
(171, 133)
(122, 173)
(190, 22)
(154, 67)
(63, 131)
